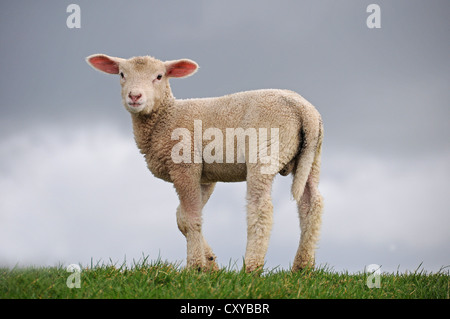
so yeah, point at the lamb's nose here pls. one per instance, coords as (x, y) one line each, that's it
(134, 98)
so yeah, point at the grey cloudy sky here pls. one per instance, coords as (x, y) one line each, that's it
(74, 187)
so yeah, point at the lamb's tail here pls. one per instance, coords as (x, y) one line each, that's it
(308, 160)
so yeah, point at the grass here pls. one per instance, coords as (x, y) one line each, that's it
(160, 279)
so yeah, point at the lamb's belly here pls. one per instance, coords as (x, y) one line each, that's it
(224, 172)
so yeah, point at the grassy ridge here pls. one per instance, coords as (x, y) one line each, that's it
(165, 280)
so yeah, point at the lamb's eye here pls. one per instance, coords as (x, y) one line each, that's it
(159, 77)
(121, 75)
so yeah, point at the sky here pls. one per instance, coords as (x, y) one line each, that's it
(74, 188)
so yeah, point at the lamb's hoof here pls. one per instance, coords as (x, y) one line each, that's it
(198, 265)
(210, 265)
(254, 269)
(303, 266)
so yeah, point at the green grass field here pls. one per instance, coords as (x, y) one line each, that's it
(165, 280)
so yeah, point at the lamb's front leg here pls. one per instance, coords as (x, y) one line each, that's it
(210, 258)
(189, 217)
(211, 264)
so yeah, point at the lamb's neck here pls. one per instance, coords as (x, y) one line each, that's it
(144, 126)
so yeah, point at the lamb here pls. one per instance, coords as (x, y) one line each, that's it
(164, 128)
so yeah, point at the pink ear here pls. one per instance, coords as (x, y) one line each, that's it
(180, 68)
(104, 63)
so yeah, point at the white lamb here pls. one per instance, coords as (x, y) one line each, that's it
(175, 137)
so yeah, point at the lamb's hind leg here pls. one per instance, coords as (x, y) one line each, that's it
(310, 211)
(210, 258)
(259, 220)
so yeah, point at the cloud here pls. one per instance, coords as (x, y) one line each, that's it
(387, 207)
(72, 195)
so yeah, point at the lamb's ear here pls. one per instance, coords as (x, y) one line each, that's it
(180, 68)
(104, 63)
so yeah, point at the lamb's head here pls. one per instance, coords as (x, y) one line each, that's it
(144, 80)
